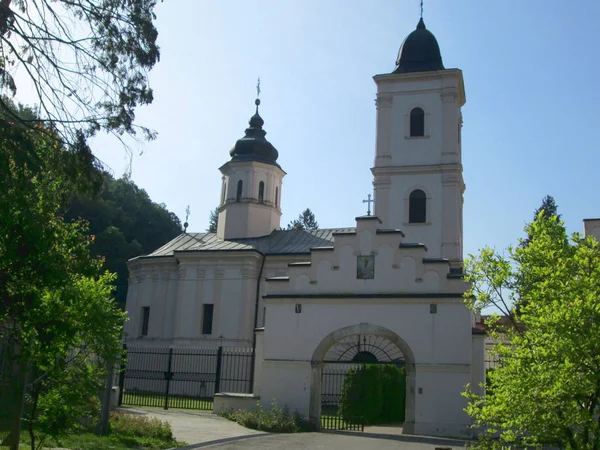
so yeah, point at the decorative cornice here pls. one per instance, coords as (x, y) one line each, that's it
(429, 168)
(384, 101)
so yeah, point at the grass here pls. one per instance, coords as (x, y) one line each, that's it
(127, 431)
(175, 402)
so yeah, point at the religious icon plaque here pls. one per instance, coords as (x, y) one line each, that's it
(365, 267)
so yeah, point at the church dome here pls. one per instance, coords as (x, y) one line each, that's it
(253, 146)
(419, 52)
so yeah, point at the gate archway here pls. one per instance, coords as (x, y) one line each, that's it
(363, 343)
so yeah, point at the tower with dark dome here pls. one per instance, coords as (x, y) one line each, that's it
(251, 191)
(418, 171)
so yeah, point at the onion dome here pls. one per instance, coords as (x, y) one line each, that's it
(419, 52)
(253, 146)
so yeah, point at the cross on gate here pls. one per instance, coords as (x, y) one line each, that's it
(368, 202)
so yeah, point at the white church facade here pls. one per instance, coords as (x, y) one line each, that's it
(389, 288)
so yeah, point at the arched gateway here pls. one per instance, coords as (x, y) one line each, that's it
(360, 344)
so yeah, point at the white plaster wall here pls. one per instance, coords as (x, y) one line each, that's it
(250, 217)
(286, 383)
(441, 338)
(431, 162)
(397, 269)
(153, 285)
(591, 227)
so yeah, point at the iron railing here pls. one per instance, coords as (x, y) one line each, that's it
(183, 377)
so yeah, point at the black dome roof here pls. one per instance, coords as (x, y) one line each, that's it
(253, 146)
(419, 52)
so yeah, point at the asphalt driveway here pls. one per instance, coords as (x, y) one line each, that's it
(207, 430)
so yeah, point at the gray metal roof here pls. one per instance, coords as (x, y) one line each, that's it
(278, 242)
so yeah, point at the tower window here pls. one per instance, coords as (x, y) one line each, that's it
(276, 197)
(417, 122)
(223, 193)
(417, 207)
(261, 191)
(238, 195)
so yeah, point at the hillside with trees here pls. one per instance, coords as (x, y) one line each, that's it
(125, 223)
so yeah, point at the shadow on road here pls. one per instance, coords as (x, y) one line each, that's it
(438, 442)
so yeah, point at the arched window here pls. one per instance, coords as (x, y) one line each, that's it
(417, 207)
(276, 197)
(261, 191)
(238, 195)
(223, 193)
(417, 122)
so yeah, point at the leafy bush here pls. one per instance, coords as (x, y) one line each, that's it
(137, 425)
(374, 393)
(273, 420)
(393, 387)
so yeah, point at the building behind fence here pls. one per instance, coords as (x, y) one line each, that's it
(183, 377)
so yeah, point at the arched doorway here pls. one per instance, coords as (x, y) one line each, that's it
(352, 346)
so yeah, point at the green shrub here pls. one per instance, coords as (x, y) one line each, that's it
(393, 386)
(362, 396)
(272, 420)
(373, 393)
(137, 425)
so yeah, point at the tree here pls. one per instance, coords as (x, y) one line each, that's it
(305, 221)
(548, 208)
(546, 391)
(56, 304)
(213, 221)
(125, 223)
(88, 61)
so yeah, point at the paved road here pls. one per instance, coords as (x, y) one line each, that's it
(196, 427)
(329, 441)
(206, 430)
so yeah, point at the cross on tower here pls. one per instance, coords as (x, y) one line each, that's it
(368, 201)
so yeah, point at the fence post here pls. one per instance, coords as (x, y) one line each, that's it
(168, 376)
(218, 374)
(122, 374)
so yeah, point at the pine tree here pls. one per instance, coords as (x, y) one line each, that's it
(305, 221)
(549, 209)
(213, 221)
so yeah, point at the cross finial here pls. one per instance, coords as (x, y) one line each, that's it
(421, 9)
(258, 88)
(368, 201)
(187, 216)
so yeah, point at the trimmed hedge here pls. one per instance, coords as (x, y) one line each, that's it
(375, 393)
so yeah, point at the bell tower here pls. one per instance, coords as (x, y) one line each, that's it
(418, 171)
(251, 191)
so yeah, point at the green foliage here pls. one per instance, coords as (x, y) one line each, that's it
(393, 387)
(54, 299)
(125, 223)
(213, 221)
(126, 431)
(547, 389)
(138, 425)
(374, 393)
(273, 420)
(111, 46)
(305, 221)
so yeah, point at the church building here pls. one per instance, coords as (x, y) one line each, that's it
(387, 288)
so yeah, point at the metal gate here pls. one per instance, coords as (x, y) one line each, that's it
(343, 362)
(183, 377)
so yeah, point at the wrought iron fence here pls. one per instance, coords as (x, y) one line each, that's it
(183, 377)
(331, 393)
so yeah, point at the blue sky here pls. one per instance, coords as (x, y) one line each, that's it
(530, 128)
